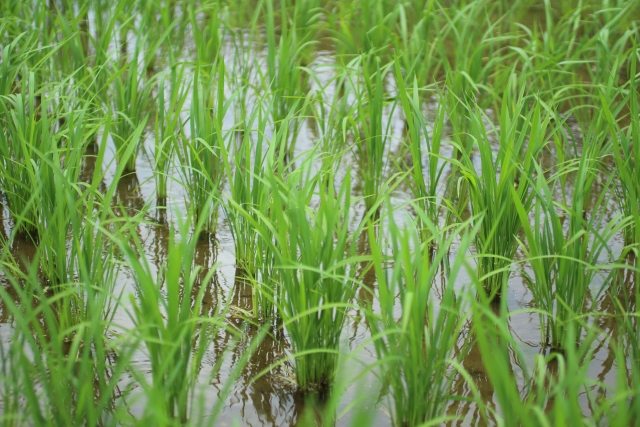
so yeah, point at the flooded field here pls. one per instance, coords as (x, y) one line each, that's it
(323, 213)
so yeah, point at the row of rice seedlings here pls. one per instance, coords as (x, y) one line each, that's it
(501, 184)
(93, 281)
(281, 269)
(557, 42)
(415, 343)
(625, 295)
(199, 154)
(61, 337)
(45, 369)
(66, 205)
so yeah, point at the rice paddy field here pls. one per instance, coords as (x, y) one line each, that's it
(376, 213)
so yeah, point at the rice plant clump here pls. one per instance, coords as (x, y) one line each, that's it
(315, 269)
(497, 187)
(416, 344)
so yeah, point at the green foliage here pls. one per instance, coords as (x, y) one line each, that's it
(489, 141)
(314, 262)
(130, 102)
(496, 190)
(200, 153)
(416, 343)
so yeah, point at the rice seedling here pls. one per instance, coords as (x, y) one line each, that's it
(208, 41)
(168, 323)
(46, 366)
(76, 47)
(491, 191)
(424, 188)
(259, 225)
(552, 390)
(315, 266)
(286, 80)
(249, 195)
(199, 154)
(131, 98)
(27, 135)
(416, 343)
(564, 259)
(371, 134)
(15, 54)
(62, 338)
(467, 72)
(625, 295)
(60, 204)
(587, 240)
(625, 146)
(168, 126)
(418, 57)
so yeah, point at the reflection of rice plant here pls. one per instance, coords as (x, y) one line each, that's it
(415, 343)
(491, 191)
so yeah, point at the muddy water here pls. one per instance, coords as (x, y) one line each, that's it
(272, 400)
